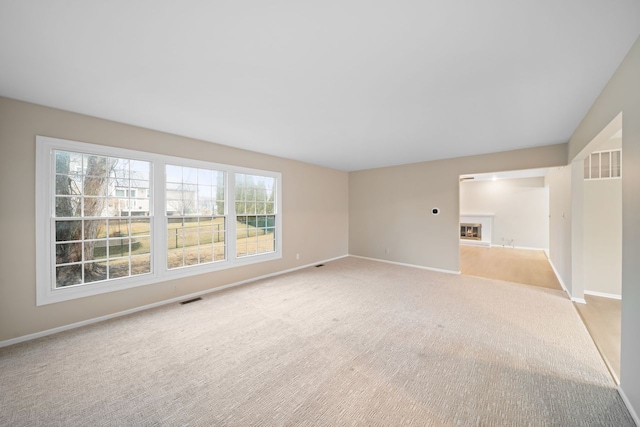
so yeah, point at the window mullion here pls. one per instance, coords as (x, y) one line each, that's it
(159, 219)
(231, 216)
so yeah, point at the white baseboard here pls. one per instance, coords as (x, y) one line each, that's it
(52, 331)
(467, 242)
(519, 247)
(629, 406)
(555, 271)
(439, 270)
(573, 299)
(603, 295)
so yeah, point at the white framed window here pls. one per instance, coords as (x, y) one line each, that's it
(196, 220)
(255, 214)
(95, 239)
(603, 165)
(109, 219)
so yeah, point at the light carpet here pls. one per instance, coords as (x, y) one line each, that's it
(355, 342)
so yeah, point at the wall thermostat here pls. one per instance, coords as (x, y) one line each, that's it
(435, 211)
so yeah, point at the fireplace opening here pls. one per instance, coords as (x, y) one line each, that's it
(471, 231)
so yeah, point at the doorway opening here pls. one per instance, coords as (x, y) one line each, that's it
(511, 241)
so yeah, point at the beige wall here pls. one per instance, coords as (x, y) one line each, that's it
(520, 208)
(390, 208)
(603, 236)
(315, 214)
(622, 94)
(559, 182)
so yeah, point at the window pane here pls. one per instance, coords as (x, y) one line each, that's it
(595, 165)
(119, 268)
(95, 186)
(616, 163)
(241, 249)
(139, 207)
(118, 227)
(205, 225)
(95, 271)
(189, 175)
(96, 249)
(140, 227)
(67, 185)
(137, 185)
(173, 173)
(206, 254)
(95, 166)
(205, 176)
(68, 252)
(120, 168)
(605, 167)
(119, 247)
(270, 208)
(95, 229)
(68, 206)
(140, 170)
(140, 264)
(68, 230)
(68, 163)
(206, 200)
(174, 257)
(219, 253)
(255, 235)
(95, 206)
(191, 256)
(68, 275)
(141, 245)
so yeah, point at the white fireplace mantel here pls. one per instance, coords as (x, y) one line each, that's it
(486, 219)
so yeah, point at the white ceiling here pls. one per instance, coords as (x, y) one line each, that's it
(350, 84)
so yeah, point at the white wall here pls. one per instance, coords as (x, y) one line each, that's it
(603, 236)
(559, 182)
(520, 208)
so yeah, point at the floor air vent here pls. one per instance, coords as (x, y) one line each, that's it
(190, 300)
(320, 265)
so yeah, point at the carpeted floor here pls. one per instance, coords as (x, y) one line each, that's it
(530, 267)
(355, 342)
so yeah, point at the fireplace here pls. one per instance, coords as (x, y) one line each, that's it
(471, 231)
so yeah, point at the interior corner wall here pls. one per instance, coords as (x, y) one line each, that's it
(314, 210)
(621, 94)
(390, 208)
(520, 208)
(559, 182)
